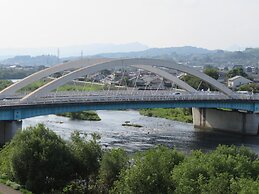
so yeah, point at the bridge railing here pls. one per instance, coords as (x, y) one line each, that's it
(115, 96)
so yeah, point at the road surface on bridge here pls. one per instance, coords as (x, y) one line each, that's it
(117, 96)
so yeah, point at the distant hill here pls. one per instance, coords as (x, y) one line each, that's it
(94, 49)
(27, 60)
(158, 52)
(187, 55)
(194, 56)
(41, 56)
(89, 49)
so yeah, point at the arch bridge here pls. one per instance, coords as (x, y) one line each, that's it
(89, 66)
(44, 101)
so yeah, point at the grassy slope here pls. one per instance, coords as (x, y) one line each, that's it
(177, 114)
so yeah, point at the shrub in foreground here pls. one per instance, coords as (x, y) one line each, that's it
(150, 172)
(112, 163)
(216, 172)
(44, 163)
(39, 159)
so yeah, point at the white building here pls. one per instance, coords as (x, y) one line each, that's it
(237, 81)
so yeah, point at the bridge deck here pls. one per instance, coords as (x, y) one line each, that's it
(54, 103)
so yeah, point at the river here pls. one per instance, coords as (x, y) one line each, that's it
(154, 131)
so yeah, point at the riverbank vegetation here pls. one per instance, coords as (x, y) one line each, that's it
(67, 87)
(83, 115)
(177, 114)
(42, 162)
(85, 87)
(5, 83)
(18, 73)
(34, 86)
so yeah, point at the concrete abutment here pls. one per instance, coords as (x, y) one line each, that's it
(8, 130)
(231, 121)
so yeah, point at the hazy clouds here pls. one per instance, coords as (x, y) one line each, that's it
(157, 23)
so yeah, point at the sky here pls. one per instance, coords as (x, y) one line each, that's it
(212, 24)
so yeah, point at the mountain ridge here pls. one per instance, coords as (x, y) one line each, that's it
(74, 50)
(188, 55)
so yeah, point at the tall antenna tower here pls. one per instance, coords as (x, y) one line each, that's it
(82, 54)
(58, 55)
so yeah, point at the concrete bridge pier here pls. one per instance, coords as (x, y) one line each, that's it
(8, 130)
(232, 121)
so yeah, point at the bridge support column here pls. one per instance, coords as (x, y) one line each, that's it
(231, 121)
(8, 130)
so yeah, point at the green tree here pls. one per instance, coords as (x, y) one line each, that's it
(212, 72)
(112, 163)
(245, 186)
(13, 73)
(39, 159)
(87, 154)
(150, 172)
(236, 71)
(197, 83)
(251, 87)
(4, 84)
(74, 187)
(215, 172)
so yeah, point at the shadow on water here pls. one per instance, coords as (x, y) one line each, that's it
(203, 140)
(208, 140)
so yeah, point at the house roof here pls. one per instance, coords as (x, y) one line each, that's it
(238, 77)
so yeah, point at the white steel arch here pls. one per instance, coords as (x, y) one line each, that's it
(12, 89)
(59, 82)
(124, 63)
(167, 76)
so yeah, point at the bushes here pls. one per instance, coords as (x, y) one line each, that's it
(44, 163)
(87, 155)
(150, 172)
(245, 186)
(4, 84)
(162, 170)
(177, 114)
(13, 185)
(112, 163)
(215, 172)
(83, 115)
(40, 159)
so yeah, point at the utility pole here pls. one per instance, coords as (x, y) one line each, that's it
(82, 54)
(257, 68)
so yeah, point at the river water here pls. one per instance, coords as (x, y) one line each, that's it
(154, 131)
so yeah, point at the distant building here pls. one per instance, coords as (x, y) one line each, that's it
(249, 69)
(147, 82)
(255, 78)
(237, 81)
(222, 77)
(136, 82)
(238, 66)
